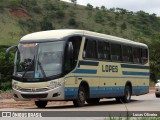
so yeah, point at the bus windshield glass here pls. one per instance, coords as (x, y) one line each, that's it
(39, 60)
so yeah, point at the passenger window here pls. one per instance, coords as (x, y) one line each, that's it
(90, 49)
(136, 55)
(127, 54)
(144, 57)
(116, 52)
(103, 50)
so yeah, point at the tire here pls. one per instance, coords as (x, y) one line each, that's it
(127, 95)
(81, 98)
(157, 95)
(93, 101)
(41, 104)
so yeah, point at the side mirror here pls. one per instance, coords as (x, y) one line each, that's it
(8, 51)
(158, 81)
(70, 50)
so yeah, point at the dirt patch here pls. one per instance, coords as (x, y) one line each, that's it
(7, 101)
(6, 96)
(20, 13)
(11, 103)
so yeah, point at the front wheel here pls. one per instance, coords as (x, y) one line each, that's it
(81, 98)
(41, 104)
(127, 95)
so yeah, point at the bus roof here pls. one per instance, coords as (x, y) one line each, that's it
(62, 33)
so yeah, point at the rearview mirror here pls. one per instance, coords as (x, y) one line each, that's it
(8, 51)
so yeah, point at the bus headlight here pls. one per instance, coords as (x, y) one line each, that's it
(16, 87)
(54, 84)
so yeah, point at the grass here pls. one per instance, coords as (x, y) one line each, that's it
(10, 30)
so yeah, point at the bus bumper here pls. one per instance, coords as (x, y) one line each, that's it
(36, 94)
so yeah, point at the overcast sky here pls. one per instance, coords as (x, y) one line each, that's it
(149, 6)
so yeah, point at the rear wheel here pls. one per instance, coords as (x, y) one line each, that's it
(81, 98)
(127, 94)
(41, 104)
(157, 95)
(93, 101)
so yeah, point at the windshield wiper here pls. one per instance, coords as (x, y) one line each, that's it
(41, 68)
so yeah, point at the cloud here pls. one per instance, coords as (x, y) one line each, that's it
(150, 6)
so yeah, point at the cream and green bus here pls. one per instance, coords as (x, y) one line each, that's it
(79, 66)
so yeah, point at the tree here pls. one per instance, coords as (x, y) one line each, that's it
(89, 6)
(103, 8)
(97, 8)
(74, 1)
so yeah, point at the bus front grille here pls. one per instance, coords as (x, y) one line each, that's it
(34, 95)
(34, 89)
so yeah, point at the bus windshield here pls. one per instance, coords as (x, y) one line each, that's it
(39, 60)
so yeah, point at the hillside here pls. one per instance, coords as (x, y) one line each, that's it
(18, 17)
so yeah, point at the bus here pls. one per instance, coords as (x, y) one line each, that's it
(79, 66)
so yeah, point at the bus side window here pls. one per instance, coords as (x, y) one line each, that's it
(127, 54)
(136, 55)
(116, 53)
(144, 57)
(90, 49)
(103, 50)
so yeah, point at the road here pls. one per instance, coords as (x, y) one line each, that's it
(146, 102)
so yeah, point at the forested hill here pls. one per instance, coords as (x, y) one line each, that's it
(20, 17)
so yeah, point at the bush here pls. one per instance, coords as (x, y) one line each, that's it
(123, 26)
(31, 25)
(50, 6)
(99, 17)
(72, 22)
(6, 70)
(60, 14)
(14, 4)
(46, 25)
(29, 3)
(37, 9)
(1, 8)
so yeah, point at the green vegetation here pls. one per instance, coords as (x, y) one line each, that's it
(20, 17)
(6, 69)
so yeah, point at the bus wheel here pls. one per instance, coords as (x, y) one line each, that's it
(81, 98)
(93, 101)
(41, 104)
(127, 94)
(157, 95)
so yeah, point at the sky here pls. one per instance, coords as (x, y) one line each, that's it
(149, 6)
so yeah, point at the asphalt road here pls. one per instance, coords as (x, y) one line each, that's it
(146, 102)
